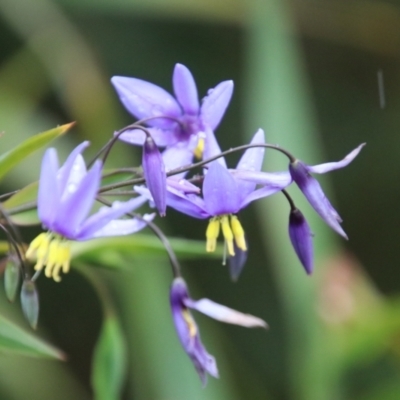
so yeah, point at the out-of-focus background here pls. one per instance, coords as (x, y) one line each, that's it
(321, 77)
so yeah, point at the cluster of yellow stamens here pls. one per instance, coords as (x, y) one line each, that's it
(231, 231)
(52, 253)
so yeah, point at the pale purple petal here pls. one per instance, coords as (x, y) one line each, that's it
(106, 214)
(237, 262)
(331, 166)
(251, 160)
(220, 191)
(315, 196)
(189, 204)
(177, 156)
(301, 238)
(122, 227)
(211, 147)
(225, 314)
(185, 89)
(281, 179)
(76, 207)
(64, 172)
(182, 185)
(49, 192)
(76, 174)
(215, 104)
(144, 99)
(162, 137)
(265, 191)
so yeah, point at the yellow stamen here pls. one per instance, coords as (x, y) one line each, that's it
(51, 252)
(198, 151)
(212, 234)
(190, 322)
(238, 233)
(228, 235)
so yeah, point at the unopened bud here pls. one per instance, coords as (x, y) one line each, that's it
(30, 302)
(12, 277)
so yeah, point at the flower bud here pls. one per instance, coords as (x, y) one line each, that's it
(154, 173)
(12, 277)
(301, 238)
(30, 302)
(237, 262)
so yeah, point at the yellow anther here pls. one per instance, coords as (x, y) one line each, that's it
(198, 151)
(228, 235)
(40, 242)
(238, 233)
(190, 322)
(212, 234)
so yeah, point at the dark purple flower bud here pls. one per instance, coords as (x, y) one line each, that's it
(154, 173)
(237, 262)
(315, 196)
(188, 332)
(301, 238)
(30, 302)
(12, 276)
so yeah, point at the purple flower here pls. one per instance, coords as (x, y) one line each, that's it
(66, 196)
(187, 329)
(301, 238)
(312, 190)
(225, 193)
(178, 123)
(154, 173)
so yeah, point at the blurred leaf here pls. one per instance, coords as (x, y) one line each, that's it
(109, 361)
(114, 252)
(13, 157)
(26, 195)
(30, 302)
(15, 340)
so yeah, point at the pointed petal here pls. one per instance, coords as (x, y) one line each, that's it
(211, 147)
(65, 171)
(154, 173)
(189, 204)
(105, 215)
(220, 191)
(121, 227)
(176, 157)
(182, 185)
(315, 196)
(279, 179)
(49, 192)
(225, 314)
(188, 332)
(76, 207)
(162, 137)
(144, 99)
(301, 238)
(331, 166)
(237, 262)
(251, 160)
(215, 103)
(185, 89)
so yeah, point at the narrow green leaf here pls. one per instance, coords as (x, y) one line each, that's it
(11, 158)
(13, 339)
(109, 361)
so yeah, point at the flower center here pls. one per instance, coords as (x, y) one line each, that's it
(51, 252)
(231, 230)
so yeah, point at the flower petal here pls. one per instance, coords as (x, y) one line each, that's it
(177, 156)
(49, 192)
(331, 166)
(105, 215)
(280, 179)
(144, 99)
(220, 191)
(185, 89)
(215, 104)
(315, 196)
(301, 238)
(225, 314)
(211, 147)
(162, 137)
(251, 160)
(189, 204)
(237, 262)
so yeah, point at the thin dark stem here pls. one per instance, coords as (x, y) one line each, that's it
(7, 195)
(176, 268)
(16, 249)
(290, 200)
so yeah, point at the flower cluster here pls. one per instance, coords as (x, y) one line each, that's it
(173, 131)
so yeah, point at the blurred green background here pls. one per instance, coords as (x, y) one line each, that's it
(304, 70)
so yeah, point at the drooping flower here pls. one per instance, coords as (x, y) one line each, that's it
(225, 193)
(178, 123)
(66, 196)
(188, 331)
(301, 174)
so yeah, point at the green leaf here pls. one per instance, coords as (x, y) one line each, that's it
(27, 195)
(109, 361)
(13, 339)
(115, 252)
(10, 159)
